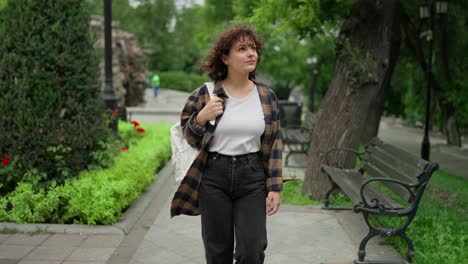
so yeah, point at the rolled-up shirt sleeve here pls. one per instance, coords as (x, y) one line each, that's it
(194, 127)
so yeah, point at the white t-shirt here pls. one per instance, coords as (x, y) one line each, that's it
(241, 126)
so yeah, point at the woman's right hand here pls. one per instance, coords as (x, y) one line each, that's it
(212, 109)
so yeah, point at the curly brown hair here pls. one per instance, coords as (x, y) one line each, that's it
(213, 64)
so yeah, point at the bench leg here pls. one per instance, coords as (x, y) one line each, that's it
(362, 246)
(326, 199)
(286, 159)
(409, 257)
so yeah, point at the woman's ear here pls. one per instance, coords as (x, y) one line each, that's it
(224, 58)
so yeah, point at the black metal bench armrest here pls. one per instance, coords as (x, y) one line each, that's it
(296, 127)
(379, 208)
(302, 130)
(357, 153)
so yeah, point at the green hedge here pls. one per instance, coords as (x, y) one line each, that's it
(181, 81)
(52, 112)
(94, 197)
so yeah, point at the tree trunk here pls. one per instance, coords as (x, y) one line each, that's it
(367, 50)
(373, 118)
(450, 126)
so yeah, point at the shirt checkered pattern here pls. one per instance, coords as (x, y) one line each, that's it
(185, 199)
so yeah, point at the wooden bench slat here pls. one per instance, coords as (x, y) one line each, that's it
(389, 170)
(403, 155)
(402, 192)
(409, 170)
(350, 182)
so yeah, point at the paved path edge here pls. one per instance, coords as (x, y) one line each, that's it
(129, 218)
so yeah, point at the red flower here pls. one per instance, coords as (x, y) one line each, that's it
(135, 123)
(124, 149)
(114, 112)
(5, 161)
(140, 129)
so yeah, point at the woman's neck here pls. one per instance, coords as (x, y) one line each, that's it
(234, 82)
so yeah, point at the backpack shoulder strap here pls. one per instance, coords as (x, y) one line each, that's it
(210, 87)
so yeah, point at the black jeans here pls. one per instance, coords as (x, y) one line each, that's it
(232, 202)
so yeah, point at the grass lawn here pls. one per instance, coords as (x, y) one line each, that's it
(440, 229)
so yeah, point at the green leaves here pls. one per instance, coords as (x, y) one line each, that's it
(182, 81)
(48, 64)
(282, 16)
(95, 197)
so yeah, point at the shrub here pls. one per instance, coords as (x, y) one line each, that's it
(94, 197)
(52, 111)
(181, 81)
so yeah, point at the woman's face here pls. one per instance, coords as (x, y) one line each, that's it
(242, 57)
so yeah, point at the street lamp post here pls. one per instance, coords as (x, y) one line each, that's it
(110, 98)
(428, 11)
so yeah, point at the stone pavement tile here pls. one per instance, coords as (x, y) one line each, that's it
(58, 253)
(308, 237)
(9, 261)
(188, 226)
(180, 235)
(282, 259)
(64, 240)
(14, 251)
(151, 253)
(179, 244)
(82, 262)
(39, 262)
(379, 252)
(25, 239)
(338, 262)
(102, 241)
(4, 237)
(91, 254)
(197, 260)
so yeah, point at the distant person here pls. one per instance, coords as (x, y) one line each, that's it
(155, 83)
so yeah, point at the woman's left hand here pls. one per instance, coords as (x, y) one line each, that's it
(273, 202)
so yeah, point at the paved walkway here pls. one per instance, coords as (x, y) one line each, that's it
(450, 159)
(297, 234)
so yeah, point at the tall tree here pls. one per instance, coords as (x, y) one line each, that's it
(366, 54)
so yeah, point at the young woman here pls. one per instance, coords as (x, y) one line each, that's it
(240, 162)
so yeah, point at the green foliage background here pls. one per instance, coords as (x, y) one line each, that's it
(52, 113)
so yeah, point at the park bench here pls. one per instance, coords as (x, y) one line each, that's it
(389, 183)
(296, 134)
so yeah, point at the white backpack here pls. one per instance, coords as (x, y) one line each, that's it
(183, 154)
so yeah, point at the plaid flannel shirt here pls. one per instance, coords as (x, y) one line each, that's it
(185, 199)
